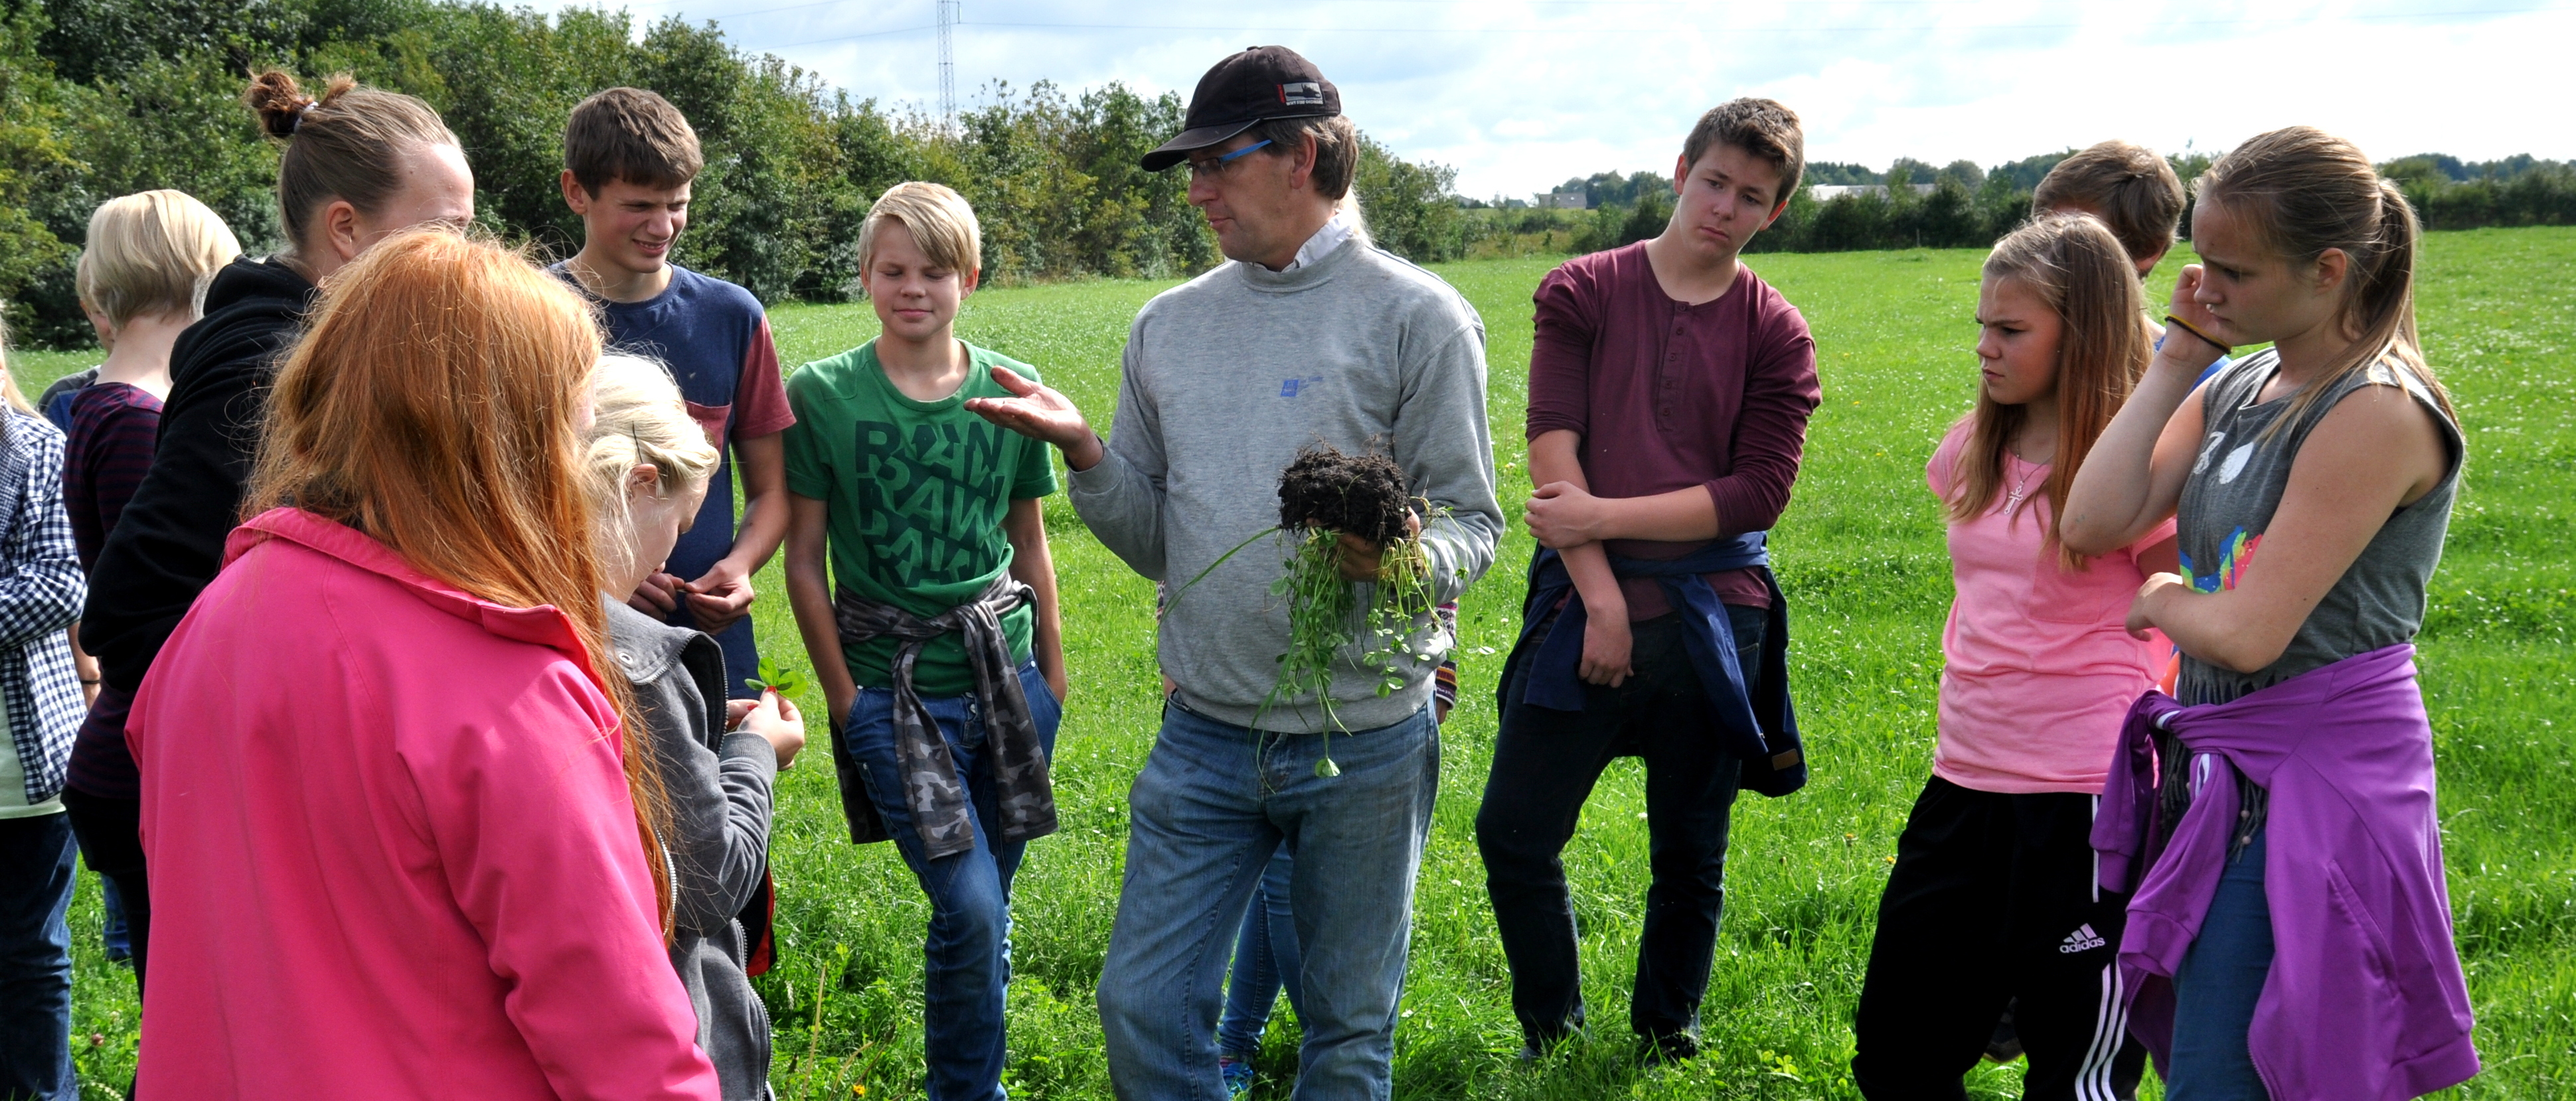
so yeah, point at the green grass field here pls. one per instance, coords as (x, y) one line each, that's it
(1861, 555)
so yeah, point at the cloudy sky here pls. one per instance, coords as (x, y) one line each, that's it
(1520, 94)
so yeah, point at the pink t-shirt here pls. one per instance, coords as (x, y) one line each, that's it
(2039, 671)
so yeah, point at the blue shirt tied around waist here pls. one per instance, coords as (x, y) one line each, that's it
(1761, 727)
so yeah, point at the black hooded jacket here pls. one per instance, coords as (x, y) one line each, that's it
(170, 540)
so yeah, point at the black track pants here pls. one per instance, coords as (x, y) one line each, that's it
(1992, 899)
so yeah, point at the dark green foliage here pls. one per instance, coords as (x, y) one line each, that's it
(2025, 174)
(34, 158)
(1836, 173)
(107, 97)
(2520, 191)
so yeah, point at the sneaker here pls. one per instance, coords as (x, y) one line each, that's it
(1237, 1073)
(1669, 1047)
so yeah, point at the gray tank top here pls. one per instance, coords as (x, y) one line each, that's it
(2228, 501)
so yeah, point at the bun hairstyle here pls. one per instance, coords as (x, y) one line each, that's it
(348, 144)
(638, 419)
(2082, 273)
(433, 404)
(2307, 191)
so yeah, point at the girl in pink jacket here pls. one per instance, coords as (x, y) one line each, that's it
(401, 844)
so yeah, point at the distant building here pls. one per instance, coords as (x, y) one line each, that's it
(1829, 192)
(1562, 200)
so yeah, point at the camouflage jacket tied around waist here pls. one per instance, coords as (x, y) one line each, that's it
(934, 794)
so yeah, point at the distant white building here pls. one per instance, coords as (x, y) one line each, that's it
(1828, 192)
(1562, 200)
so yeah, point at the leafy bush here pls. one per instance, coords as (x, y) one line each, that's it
(107, 97)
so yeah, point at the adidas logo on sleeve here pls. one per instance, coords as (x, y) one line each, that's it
(2083, 939)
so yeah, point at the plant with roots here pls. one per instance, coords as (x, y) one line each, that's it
(1325, 495)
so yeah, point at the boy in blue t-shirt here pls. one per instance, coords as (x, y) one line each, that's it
(629, 156)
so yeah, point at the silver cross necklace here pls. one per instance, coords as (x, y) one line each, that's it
(2022, 489)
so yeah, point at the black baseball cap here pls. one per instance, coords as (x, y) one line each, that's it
(1257, 85)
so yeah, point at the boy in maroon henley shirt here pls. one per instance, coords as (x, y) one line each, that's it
(1669, 395)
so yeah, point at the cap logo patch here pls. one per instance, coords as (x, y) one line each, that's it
(1304, 93)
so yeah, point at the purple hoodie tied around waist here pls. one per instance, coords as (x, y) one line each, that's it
(2365, 1000)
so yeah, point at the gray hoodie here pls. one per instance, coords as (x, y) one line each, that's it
(719, 788)
(1226, 377)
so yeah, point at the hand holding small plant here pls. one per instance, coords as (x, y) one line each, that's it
(784, 680)
(774, 715)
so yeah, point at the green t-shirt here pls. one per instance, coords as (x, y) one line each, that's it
(917, 491)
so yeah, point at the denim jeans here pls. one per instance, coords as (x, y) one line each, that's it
(1265, 961)
(113, 932)
(2215, 988)
(1545, 763)
(36, 870)
(966, 955)
(1213, 803)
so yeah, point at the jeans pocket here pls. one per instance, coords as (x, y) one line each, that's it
(1044, 708)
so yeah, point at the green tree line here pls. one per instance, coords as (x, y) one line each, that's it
(100, 98)
(1968, 207)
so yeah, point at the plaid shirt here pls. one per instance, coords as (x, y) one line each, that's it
(41, 590)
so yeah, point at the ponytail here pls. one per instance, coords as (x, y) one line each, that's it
(2310, 191)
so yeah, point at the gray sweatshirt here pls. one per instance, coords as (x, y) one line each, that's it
(719, 788)
(1226, 377)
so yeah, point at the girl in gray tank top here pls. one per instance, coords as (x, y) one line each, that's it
(2228, 501)
(2303, 245)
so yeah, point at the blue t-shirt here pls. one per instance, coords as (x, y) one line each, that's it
(715, 339)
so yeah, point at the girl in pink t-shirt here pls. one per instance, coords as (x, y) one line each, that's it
(1992, 904)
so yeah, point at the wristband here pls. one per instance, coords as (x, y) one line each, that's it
(2223, 347)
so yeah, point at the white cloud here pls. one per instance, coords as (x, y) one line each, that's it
(1520, 94)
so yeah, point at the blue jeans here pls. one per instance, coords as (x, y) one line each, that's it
(1212, 804)
(1265, 961)
(2215, 989)
(966, 955)
(113, 933)
(36, 871)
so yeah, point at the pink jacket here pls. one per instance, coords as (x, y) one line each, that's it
(391, 848)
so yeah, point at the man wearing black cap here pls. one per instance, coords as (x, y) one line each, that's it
(1310, 335)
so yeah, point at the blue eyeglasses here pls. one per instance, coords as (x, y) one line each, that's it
(1217, 165)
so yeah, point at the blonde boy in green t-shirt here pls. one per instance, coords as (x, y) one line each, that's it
(934, 631)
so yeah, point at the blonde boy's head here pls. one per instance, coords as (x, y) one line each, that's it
(940, 222)
(151, 254)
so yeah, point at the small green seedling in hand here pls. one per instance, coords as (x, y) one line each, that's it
(787, 682)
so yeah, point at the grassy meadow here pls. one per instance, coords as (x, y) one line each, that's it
(1861, 555)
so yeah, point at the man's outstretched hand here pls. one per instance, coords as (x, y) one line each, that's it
(1040, 414)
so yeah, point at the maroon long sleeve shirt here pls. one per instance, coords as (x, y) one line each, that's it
(1668, 396)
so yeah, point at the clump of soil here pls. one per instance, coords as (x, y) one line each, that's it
(1360, 495)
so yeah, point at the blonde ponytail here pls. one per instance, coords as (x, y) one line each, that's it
(2310, 191)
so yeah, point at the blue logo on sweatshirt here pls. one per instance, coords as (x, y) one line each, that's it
(1290, 388)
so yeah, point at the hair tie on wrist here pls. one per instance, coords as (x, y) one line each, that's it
(2223, 347)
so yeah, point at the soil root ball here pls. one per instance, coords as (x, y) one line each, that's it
(1361, 495)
